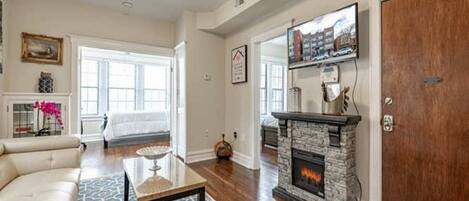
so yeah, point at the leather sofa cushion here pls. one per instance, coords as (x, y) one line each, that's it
(31, 162)
(50, 185)
(32, 144)
(1, 149)
(56, 191)
(7, 170)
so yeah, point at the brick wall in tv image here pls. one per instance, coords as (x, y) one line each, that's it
(327, 36)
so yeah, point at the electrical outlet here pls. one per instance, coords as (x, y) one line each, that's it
(235, 135)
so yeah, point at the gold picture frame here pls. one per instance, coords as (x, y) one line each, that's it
(41, 49)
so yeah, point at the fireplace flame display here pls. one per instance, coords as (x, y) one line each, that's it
(311, 175)
(308, 171)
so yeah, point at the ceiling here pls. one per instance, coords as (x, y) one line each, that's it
(160, 9)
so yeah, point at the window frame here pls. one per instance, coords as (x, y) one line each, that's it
(103, 102)
(267, 63)
(87, 87)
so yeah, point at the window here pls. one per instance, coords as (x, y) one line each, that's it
(155, 88)
(121, 87)
(263, 89)
(89, 87)
(277, 85)
(272, 86)
(114, 81)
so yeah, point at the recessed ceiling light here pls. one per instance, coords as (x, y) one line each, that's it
(127, 4)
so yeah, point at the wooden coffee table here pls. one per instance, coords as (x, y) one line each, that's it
(175, 180)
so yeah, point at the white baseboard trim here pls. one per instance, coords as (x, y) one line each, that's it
(201, 155)
(243, 160)
(95, 137)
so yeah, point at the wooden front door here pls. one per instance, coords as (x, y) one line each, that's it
(425, 73)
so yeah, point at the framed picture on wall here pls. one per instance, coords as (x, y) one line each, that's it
(239, 62)
(42, 49)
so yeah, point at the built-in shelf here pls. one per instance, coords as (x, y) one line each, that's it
(23, 112)
(17, 113)
(34, 94)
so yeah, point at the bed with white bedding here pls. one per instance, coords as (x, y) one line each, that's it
(135, 127)
(269, 129)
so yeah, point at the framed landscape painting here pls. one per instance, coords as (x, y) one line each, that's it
(42, 49)
(239, 73)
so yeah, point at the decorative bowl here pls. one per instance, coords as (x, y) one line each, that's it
(154, 153)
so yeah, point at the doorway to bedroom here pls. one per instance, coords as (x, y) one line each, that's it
(125, 96)
(273, 92)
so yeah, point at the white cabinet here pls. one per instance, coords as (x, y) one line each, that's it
(20, 119)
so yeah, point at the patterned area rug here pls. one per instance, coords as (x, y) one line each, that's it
(111, 188)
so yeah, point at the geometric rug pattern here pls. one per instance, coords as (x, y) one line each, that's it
(111, 188)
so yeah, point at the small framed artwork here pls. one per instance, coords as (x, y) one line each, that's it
(239, 61)
(42, 49)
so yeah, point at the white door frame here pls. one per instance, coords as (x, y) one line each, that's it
(178, 130)
(255, 54)
(375, 166)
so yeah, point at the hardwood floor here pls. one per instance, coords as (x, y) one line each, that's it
(227, 181)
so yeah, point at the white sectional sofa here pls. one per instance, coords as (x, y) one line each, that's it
(40, 168)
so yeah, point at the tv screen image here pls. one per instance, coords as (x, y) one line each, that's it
(332, 37)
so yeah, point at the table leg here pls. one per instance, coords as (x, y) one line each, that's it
(202, 194)
(126, 187)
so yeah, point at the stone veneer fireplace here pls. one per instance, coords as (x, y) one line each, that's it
(316, 157)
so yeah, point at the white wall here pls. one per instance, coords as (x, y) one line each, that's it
(273, 50)
(205, 100)
(238, 97)
(60, 18)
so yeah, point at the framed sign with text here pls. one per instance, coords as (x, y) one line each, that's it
(239, 62)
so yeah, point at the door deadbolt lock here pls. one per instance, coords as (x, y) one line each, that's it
(388, 123)
(388, 100)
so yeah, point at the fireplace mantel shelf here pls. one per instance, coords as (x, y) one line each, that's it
(342, 120)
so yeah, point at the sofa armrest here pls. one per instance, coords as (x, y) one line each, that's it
(33, 144)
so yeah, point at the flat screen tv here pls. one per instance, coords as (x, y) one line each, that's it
(329, 38)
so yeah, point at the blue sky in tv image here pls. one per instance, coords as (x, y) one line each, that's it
(330, 35)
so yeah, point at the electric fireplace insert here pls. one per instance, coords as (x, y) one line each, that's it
(308, 171)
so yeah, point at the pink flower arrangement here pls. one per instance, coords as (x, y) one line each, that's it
(50, 109)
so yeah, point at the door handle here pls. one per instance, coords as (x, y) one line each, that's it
(388, 123)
